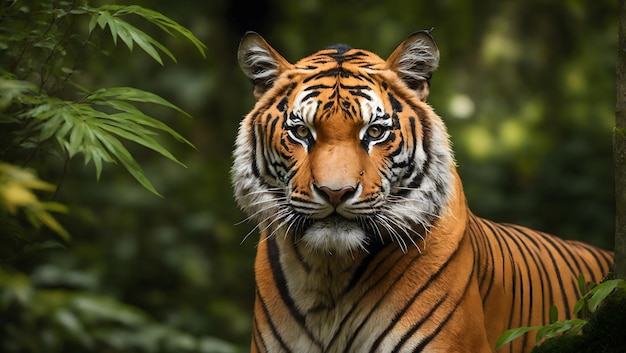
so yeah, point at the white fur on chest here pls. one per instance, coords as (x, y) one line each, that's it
(335, 310)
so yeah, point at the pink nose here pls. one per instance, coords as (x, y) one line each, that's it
(336, 196)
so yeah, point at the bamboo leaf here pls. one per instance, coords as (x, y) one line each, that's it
(93, 21)
(580, 304)
(510, 335)
(146, 43)
(125, 35)
(17, 188)
(103, 17)
(99, 152)
(115, 32)
(600, 292)
(572, 326)
(130, 113)
(582, 285)
(122, 154)
(50, 222)
(131, 34)
(76, 139)
(134, 95)
(140, 138)
(554, 314)
(152, 123)
(163, 22)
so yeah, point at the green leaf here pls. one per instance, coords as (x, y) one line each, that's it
(13, 89)
(131, 34)
(601, 291)
(82, 129)
(122, 154)
(163, 22)
(554, 314)
(93, 21)
(121, 30)
(134, 95)
(140, 138)
(580, 304)
(582, 285)
(572, 326)
(148, 43)
(509, 335)
(152, 123)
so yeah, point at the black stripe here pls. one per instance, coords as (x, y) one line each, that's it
(271, 324)
(420, 347)
(333, 72)
(526, 288)
(282, 105)
(487, 254)
(273, 254)
(372, 309)
(360, 270)
(499, 239)
(557, 273)
(426, 284)
(360, 94)
(296, 250)
(311, 95)
(315, 87)
(418, 324)
(395, 104)
(256, 336)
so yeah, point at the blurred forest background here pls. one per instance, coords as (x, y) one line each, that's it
(525, 87)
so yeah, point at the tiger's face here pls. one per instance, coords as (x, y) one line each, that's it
(340, 151)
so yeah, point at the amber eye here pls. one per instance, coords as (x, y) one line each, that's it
(302, 131)
(374, 131)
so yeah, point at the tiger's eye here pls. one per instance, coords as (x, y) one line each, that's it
(374, 131)
(302, 131)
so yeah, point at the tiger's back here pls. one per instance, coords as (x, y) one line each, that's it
(521, 273)
(367, 244)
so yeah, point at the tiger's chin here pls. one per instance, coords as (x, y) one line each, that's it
(335, 235)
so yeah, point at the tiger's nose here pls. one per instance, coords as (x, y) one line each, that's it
(336, 196)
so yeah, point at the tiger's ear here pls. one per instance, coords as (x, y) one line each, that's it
(260, 62)
(414, 60)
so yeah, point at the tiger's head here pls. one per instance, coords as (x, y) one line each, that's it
(341, 151)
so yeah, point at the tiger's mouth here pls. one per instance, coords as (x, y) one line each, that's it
(335, 218)
(334, 234)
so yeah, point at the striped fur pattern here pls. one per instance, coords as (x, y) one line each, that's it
(366, 243)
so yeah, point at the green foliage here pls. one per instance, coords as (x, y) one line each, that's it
(604, 333)
(17, 191)
(588, 304)
(532, 140)
(57, 320)
(80, 127)
(48, 116)
(110, 15)
(90, 122)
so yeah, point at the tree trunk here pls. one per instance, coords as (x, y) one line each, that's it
(619, 147)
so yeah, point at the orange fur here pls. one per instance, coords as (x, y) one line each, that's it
(367, 244)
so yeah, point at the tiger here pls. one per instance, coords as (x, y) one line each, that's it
(366, 240)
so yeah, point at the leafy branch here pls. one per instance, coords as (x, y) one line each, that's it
(41, 101)
(17, 192)
(94, 124)
(83, 128)
(110, 15)
(587, 304)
